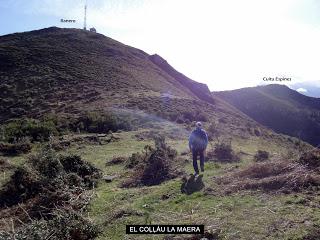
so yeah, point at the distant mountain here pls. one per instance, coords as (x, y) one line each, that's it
(282, 109)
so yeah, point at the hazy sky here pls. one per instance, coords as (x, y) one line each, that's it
(226, 44)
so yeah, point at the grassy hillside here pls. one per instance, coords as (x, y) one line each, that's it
(82, 153)
(280, 108)
(278, 212)
(64, 72)
(65, 69)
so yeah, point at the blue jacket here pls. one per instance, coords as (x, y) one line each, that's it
(198, 139)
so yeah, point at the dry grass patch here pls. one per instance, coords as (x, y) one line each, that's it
(278, 176)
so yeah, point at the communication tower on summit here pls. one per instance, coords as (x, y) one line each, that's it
(85, 17)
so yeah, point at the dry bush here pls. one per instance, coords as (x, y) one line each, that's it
(136, 158)
(223, 152)
(285, 176)
(15, 148)
(153, 166)
(48, 182)
(310, 159)
(71, 226)
(261, 156)
(44, 204)
(5, 164)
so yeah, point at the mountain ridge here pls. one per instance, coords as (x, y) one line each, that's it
(280, 108)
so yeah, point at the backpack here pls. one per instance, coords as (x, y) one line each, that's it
(199, 140)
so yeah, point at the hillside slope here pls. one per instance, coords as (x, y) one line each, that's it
(280, 108)
(69, 71)
(59, 69)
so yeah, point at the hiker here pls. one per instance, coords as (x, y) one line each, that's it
(198, 142)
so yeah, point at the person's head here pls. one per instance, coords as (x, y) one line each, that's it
(198, 125)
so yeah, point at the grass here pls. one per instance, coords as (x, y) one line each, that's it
(243, 215)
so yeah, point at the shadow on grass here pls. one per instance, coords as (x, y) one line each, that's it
(192, 184)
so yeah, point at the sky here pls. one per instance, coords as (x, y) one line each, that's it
(227, 44)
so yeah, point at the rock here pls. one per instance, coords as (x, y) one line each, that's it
(109, 178)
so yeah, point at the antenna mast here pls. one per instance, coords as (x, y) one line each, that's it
(85, 17)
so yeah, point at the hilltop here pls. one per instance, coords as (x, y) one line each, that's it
(279, 108)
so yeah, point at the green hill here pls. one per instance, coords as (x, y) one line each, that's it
(68, 71)
(279, 108)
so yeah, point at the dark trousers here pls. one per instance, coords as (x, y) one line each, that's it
(195, 154)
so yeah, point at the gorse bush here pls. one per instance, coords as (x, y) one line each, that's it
(311, 159)
(223, 152)
(11, 149)
(53, 190)
(34, 129)
(45, 173)
(188, 117)
(135, 159)
(261, 156)
(153, 166)
(96, 122)
(50, 125)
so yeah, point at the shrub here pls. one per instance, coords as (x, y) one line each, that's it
(283, 176)
(153, 166)
(50, 177)
(70, 226)
(74, 164)
(23, 185)
(188, 116)
(223, 152)
(261, 156)
(157, 168)
(200, 116)
(310, 159)
(36, 130)
(134, 160)
(180, 120)
(213, 132)
(15, 149)
(97, 122)
(5, 165)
